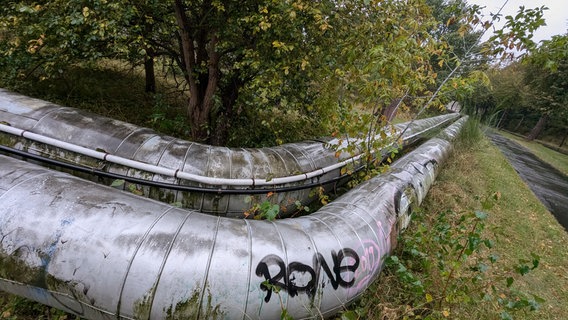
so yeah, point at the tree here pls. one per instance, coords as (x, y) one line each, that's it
(547, 74)
(301, 55)
(515, 38)
(460, 65)
(506, 92)
(298, 60)
(291, 57)
(45, 39)
(506, 96)
(231, 47)
(458, 26)
(48, 36)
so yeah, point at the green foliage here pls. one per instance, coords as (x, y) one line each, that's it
(391, 59)
(517, 32)
(460, 25)
(446, 262)
(546, 74)
(131, 187)
(322, 196)
(270, 207)
(117, 183)
(523, 92)
(470, 134)
(17, 308)
(45, 38)
(270, 67)
(369, 138)
(166, 118)
(266, 127)
(484, 95)
(261, 210)
(248, 60)
(284, 315)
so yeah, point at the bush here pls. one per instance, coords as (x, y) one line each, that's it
(444, 267)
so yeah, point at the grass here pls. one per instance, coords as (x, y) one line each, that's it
(520, 223)
(17, 308)
(555, 158)
(517, 224)
(115, 90)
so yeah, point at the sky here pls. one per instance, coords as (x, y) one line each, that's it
(556, 16)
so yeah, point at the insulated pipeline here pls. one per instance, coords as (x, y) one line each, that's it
(102, 254)
(162, 185)
(104, 144)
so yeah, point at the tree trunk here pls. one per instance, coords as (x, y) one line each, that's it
(198, 47)
(203, 98)
(519, 124)
(390, 111)
(563, 139)
(229, 94)
(502, 118)
(198, 124)
(535, 132)
(150, 74)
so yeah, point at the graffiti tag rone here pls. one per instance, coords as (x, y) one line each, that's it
(297, 277)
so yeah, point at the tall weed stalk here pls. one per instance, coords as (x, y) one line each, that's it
(470, 134)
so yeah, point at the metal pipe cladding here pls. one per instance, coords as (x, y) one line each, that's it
(105, 254)
(78, 137)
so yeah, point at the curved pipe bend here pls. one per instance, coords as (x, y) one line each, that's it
(103, 254)
(79, 137)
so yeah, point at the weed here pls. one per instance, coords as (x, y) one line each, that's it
(167, 118)
(18, 308)
(470, 134)
(132, 188)
(321, 194)
(284, 315)
(263, 207)
(262, 210)
(445, 263)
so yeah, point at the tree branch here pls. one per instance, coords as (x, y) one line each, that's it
(188, 52)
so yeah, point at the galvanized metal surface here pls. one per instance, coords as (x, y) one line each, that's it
(44, 128)
(107, 254)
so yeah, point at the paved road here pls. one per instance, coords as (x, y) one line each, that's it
(548, 184)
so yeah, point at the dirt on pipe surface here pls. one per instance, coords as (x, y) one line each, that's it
(548, 183)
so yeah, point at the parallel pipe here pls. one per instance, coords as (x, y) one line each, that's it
(62, 166)
(102, 254)
(79, 137)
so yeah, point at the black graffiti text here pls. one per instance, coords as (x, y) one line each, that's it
(301, 278)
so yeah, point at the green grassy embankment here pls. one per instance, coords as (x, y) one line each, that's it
(519, 227)
(520, 223)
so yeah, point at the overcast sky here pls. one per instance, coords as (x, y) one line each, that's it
(556, 16)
